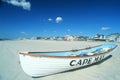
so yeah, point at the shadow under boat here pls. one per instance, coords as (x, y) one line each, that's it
(80, 68)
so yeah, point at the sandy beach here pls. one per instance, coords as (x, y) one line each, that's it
(10, 68)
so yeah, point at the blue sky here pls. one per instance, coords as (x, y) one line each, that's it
(31, 18)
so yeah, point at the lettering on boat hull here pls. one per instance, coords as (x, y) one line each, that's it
(86, 61)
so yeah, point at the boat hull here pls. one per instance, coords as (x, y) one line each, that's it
(37, 66)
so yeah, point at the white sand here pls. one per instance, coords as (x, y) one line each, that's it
(10, 69)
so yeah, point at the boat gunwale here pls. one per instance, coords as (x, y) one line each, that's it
(41, 55)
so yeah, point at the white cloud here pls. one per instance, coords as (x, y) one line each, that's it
(105, 28)
(20, 3)
(24, 33)
(50, 19)
(68, 30)
(58, 19)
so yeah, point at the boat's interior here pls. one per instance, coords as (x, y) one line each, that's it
(95, 50)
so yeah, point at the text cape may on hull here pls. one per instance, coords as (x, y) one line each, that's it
(38, 64)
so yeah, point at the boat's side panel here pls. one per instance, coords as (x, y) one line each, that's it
(41, 66)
